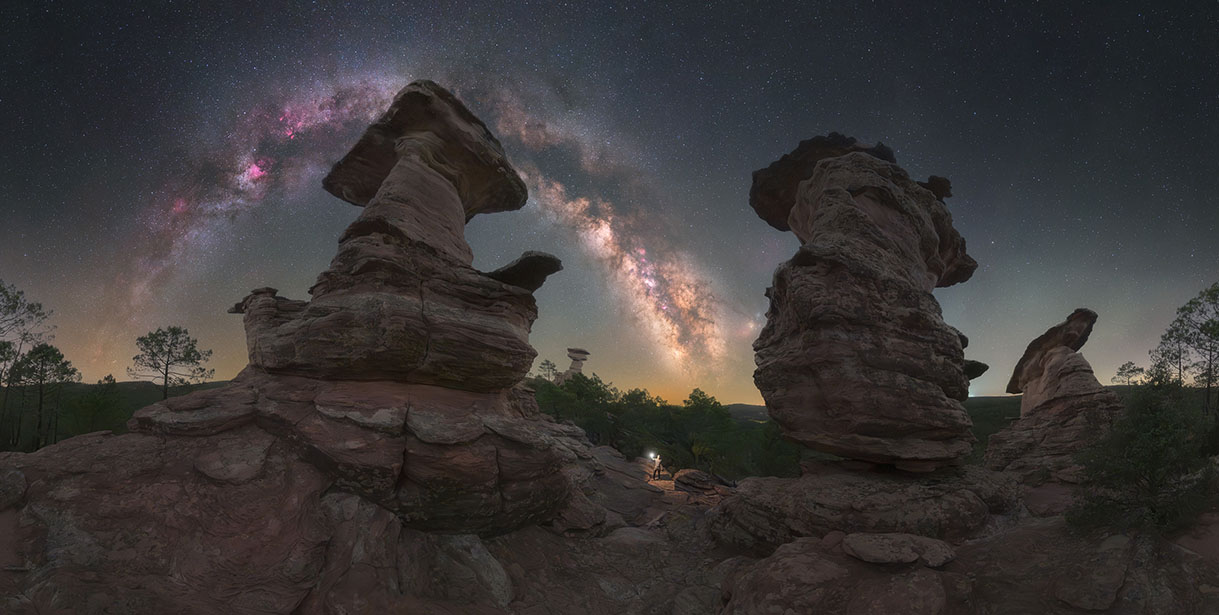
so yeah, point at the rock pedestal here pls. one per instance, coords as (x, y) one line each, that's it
(1064, 408)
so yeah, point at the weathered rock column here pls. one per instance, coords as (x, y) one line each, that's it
(855, 359)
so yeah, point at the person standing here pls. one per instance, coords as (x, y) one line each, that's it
(656, 468)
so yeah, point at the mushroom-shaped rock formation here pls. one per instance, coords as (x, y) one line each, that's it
(1064, 408)
(578, 356)
(386, 408)
(400, 301)
(855, 359)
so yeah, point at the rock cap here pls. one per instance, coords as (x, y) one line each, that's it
(1072, 333)
(426, 117)
(773, 193)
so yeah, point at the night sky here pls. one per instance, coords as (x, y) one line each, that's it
(158, 163)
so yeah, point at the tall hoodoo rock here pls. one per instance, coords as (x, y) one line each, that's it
(1064, 408)
(855, 358)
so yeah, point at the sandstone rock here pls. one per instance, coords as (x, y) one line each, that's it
(974, 369)
(939, 186)
(436, 123)
(1064, 408)
(797, 578)
(801, 577)
(773, 193)
(12, 484)
(529, 271)
(897, 548)
(696, 481)
(128, 522)
(915, 593)
(1072, 333)
(1040, 566)
(1094, 584)
(951, 505)
(855, 359)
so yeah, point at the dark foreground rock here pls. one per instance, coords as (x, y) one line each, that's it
(1037, 567)
(953, 504)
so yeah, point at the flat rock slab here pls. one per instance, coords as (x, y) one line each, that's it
(897, 548)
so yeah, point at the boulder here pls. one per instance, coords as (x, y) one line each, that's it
(697, 481)
(855, 359)
(1064, 408)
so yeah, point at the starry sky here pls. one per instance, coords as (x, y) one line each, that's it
(158, 160)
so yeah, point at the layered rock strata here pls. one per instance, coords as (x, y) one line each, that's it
(855, 359)
(1063, 410)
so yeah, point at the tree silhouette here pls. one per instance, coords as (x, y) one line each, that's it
(1172, 355)
(171, 357)
(1127, 373)
(18, 314)
(44, 369)
(548, 369)
(21, 326)
(1198, 320)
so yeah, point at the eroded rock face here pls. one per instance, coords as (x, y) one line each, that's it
(855, 359)
(809, 576)
(952, 505)
(1064, 408)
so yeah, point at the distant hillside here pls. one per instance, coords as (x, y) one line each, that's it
(747, 412)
